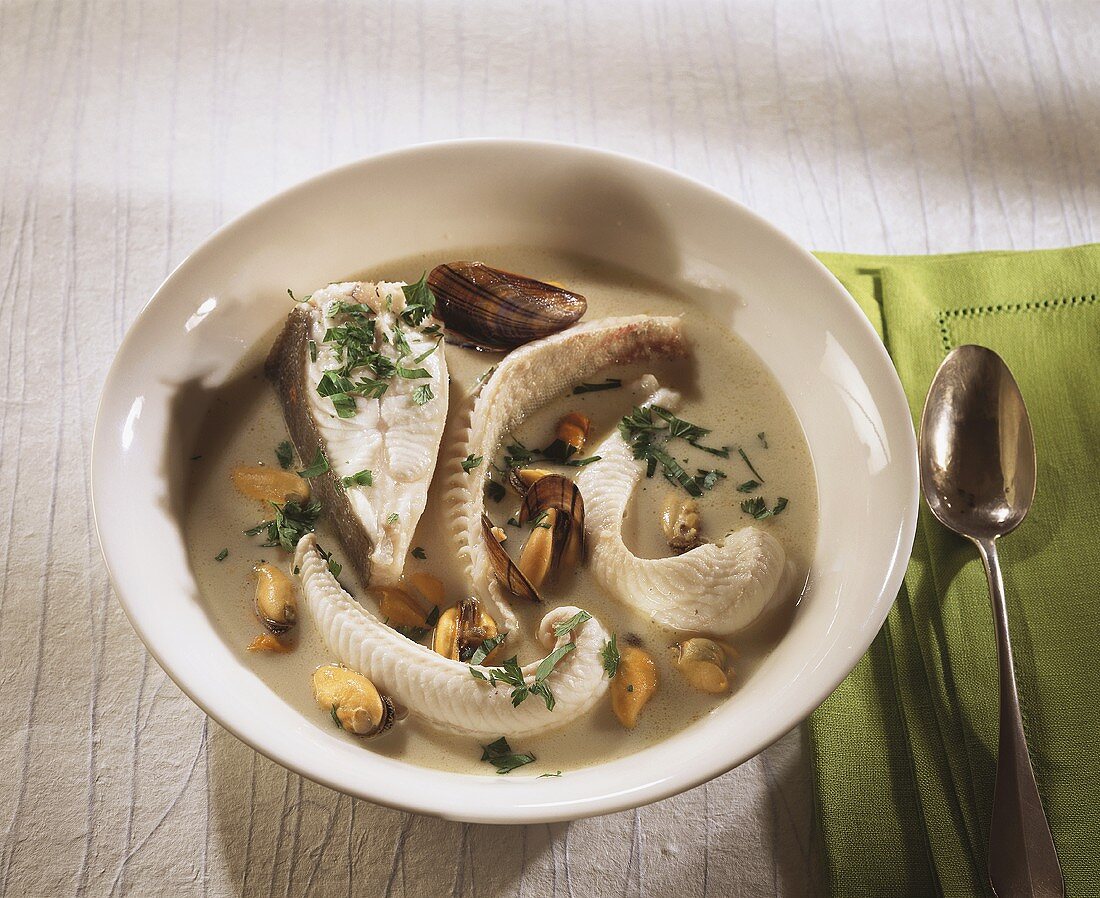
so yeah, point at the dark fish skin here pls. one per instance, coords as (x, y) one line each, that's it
(286, 369)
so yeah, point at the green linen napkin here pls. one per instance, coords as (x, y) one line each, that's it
(904, 750)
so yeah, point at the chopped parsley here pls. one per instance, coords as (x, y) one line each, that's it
(470, 462)
(222, 555)
(763, 439)
(335, 717)
(334, 567)
(566, 627)
(758, 508)
(511, 674)
(419, 302)
(748, 486)
(745, 458)
(484, 376)
(319, 466)
(419, 553)
(648, 429)
(612, 383)
(393, 518)
(284, 452)
(501, 756)
(292, 521)
(495, 490)
(360, 478)
(312, 351)
(485, 649)
(611, 656)
(555, 773)
(422, 394)
(708, 480)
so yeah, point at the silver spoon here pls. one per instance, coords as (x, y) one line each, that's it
(977, 470)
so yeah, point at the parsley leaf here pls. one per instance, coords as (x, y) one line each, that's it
(567, 626)
(612, 383)
(763, 439)
(495, 490)
(556, 773)
(292, 521)
(419, 301)
(222, 555)
(319, 466)
(361, 478)
(485, 649)
(284, 452)
(419, 553)
(501, 756)
(745, 458)
(758, 508)
(393, 518)
(422, 394)
(748, 486)
(708, 480)
(611, 656)
(471, 462)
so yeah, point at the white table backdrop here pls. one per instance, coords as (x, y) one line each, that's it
(131, 130)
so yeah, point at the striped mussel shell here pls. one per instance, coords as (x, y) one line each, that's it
(487, 308)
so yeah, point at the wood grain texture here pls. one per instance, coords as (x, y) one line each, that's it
(133, 129)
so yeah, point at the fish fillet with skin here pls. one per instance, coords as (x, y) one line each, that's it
(522, 383)
(717, 588)
(395, 437)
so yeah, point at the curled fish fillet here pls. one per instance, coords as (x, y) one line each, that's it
(525, 380)
(716, 588)
(439, 690)
(393, 437)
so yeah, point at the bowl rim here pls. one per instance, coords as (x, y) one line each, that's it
(657, 787)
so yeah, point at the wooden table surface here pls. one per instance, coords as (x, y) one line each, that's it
(131, 130)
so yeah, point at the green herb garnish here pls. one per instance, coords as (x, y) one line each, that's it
(611, 656)
(471, 462)
(361, 478)
(748, 486)
(763, 439)
(393, 518)
(222, 555)
(422, 394)
(501, 756)
(419, 301)
(496, 491)
(707, 480)
(745, 458)
(335, 717)
(612, 383)
(566, 627)
(419, 553)
(319, 466)
(292, 521)
(758, 508)
(284, 452)
(312, 351)
(556, 773)
(485, 649)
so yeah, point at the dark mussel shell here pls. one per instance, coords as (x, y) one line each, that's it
(510, 576)
(561, 493)
(498, 310)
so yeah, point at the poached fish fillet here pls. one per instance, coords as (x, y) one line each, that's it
(361, 381)
(716, 588)
(524, 381)
(441, 691)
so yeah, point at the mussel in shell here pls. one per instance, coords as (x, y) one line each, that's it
(497, 310)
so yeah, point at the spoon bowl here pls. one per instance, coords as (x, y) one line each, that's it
(977, 451)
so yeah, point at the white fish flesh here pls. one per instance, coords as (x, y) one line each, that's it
(394, 436)
(716, 588)
(525, 380)
(441, 691)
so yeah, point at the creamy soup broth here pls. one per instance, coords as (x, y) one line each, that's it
(725, 387)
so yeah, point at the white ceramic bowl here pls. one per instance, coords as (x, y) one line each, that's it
(225, 297)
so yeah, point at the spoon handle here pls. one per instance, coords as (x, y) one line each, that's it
(1022, 858)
